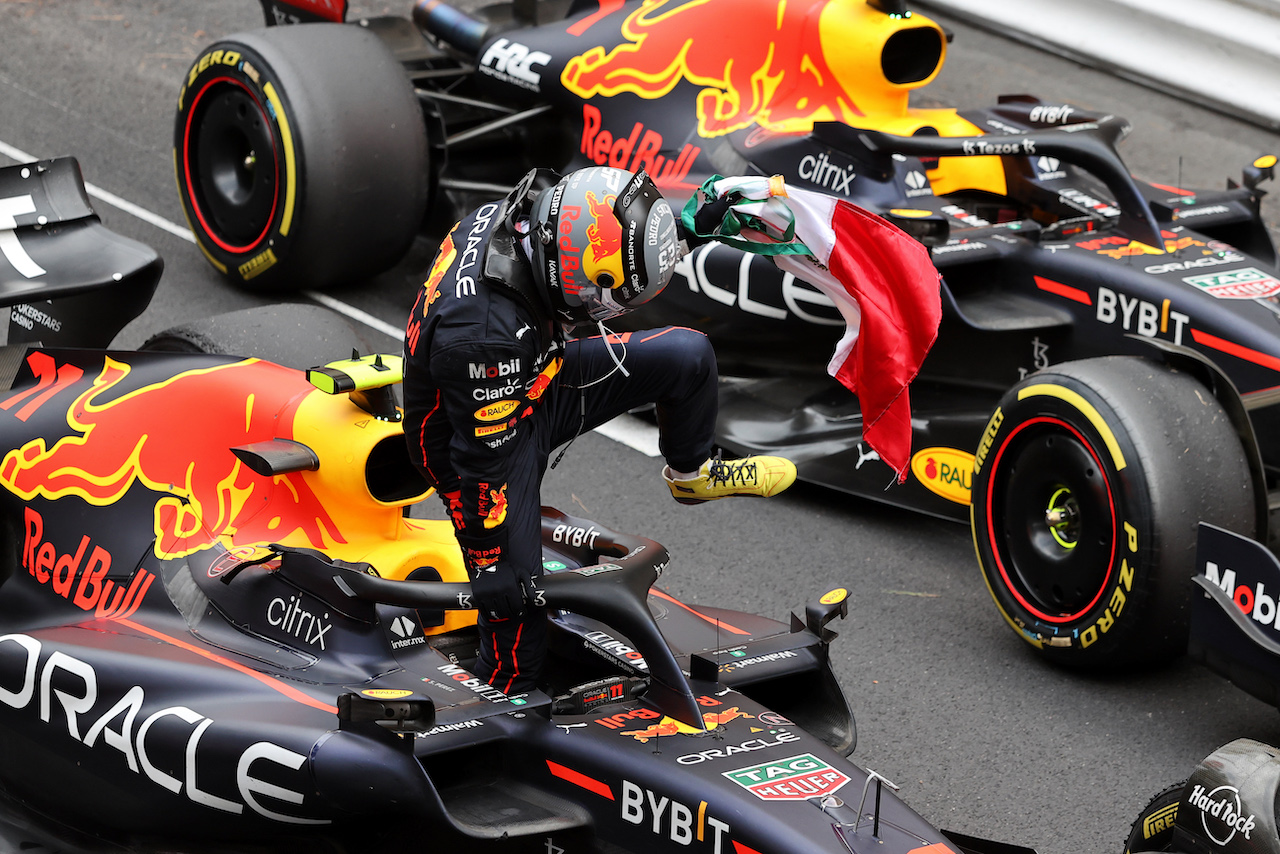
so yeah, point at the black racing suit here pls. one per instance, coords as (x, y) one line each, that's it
(491, 386)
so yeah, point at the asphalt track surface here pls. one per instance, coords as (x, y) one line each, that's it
(981, 736)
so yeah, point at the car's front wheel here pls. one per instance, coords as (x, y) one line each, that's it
(1088, 486)
(301, 156)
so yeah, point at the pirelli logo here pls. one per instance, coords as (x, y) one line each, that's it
(257, 264)
(490, 429)
(1159, 821)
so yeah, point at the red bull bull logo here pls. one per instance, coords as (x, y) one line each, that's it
(170, 439)
(769, 68)
(671, 726)
(498, 509)
(604, 254)
(430, 289)
(541, 382)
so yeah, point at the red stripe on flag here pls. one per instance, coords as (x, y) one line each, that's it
(895, 284)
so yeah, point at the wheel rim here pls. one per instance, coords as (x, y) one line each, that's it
(230, 167)
(1051, 520)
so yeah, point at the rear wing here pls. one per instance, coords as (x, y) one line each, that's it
(65, 278)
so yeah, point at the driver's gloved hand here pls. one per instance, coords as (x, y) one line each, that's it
(501, 589)
(706, 220)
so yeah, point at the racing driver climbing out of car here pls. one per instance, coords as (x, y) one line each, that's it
(493, 383)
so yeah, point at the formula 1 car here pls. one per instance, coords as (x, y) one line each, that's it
(1228, 804)
(220, 631)
(309, 154)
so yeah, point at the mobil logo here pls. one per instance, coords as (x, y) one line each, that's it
(487, 371)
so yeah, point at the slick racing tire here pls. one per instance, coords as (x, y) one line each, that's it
(1153, 829)
(296, 336)
(301, 156)
(1088, 486)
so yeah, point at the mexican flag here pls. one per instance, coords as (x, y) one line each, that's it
(882, 280)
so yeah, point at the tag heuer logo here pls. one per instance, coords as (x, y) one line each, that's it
(1248, 283)
(794, 779)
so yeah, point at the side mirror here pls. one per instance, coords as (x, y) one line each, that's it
(1261, 169)
(823, 610)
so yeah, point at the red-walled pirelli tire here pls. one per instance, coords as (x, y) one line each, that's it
(1088, 486)
(301, 156)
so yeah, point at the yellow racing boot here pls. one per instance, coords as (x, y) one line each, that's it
(758, 476)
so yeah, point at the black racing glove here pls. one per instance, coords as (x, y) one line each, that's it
(501, 589)
(708, 217)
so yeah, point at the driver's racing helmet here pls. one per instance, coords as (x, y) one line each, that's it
(604, 242)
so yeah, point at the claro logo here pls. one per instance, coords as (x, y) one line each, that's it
(63, 691)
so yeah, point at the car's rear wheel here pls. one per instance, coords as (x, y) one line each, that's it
(301, 156)
(1088, 486)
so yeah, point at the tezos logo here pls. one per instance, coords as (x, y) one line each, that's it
(1220, 810)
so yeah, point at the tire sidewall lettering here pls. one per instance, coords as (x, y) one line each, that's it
(251, 74)
(1101, 615)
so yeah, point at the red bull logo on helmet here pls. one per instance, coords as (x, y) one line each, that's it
(605, 233)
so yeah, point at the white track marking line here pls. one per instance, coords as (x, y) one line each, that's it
(356, 314)
(625, 429)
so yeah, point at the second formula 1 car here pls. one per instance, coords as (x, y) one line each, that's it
(1228, 804)
(1103, 376)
